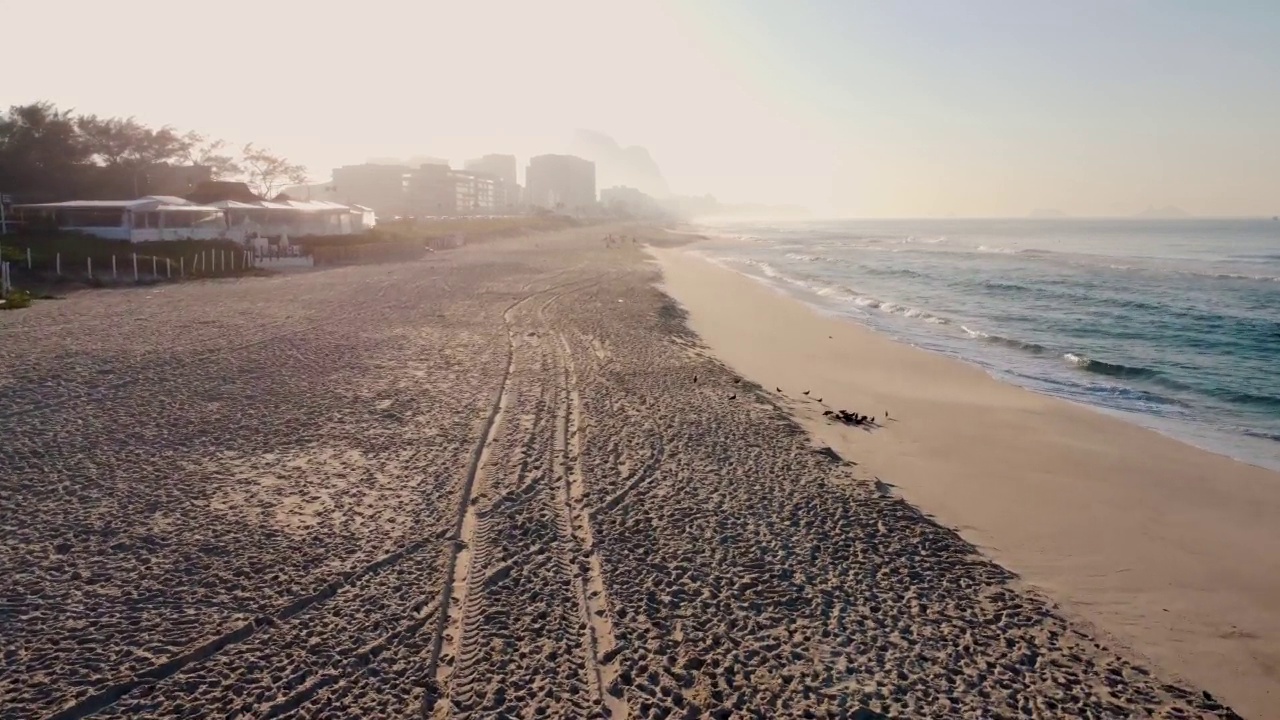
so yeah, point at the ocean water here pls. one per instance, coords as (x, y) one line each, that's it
(1174, 324)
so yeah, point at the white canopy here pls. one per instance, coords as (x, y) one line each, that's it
(295, 205)
(150, 203)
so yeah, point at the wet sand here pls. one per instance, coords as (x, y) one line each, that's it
(504, 481)
(1171, 549)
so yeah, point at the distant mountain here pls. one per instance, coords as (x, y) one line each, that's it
(1167, 212)
(1046, 213)
(616, 165)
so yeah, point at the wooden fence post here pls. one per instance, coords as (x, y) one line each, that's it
(89, 261)
(57, 264)
(153, 267)
(28, 258)
(182, 267)
(135, 267)
(168, 268)
(113, 266)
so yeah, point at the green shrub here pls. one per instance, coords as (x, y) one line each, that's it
(15, 299)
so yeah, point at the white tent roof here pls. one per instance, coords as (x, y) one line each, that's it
(299, 205)
(167, 199)
(150, 203)
(316, 205)
(236, 205)
(169, 203)
(179, 208)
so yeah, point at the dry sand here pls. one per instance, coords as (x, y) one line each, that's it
(1172, 549)
(505, 481)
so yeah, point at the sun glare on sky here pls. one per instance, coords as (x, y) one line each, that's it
(878, 109)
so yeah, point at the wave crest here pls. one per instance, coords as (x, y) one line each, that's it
(1034, 348)
(1100, 367)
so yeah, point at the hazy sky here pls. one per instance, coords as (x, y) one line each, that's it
(902, 108)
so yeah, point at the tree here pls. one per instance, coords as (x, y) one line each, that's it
(199, 150)
(42, 155)
(47, 154)
(268, 173)
(125, 150)
(117, 142)
(110, 141)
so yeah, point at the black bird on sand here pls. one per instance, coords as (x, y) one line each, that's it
(777, 389)
(695, 378)
(806, 392)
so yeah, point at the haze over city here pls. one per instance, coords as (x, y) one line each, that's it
(842, 359)
(879, 109)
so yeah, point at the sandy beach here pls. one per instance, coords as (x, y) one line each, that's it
(518, 480)
(1171, 550)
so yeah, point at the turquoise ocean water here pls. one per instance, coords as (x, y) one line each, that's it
(1174, 324)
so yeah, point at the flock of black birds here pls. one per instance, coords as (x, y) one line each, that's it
(844, 416)
(849, 418)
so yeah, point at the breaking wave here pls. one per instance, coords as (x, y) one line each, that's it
(1100, 367)
(886, 306)
(1034, 348)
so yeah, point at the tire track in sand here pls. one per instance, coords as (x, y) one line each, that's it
(448, 647)
(600, 645)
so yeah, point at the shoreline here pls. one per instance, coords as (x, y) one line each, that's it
(1167, 547)
(1248, 445)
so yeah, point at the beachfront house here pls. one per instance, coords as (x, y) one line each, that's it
(150, 218)
(162, 217)
(248, 222)
(362, 218)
